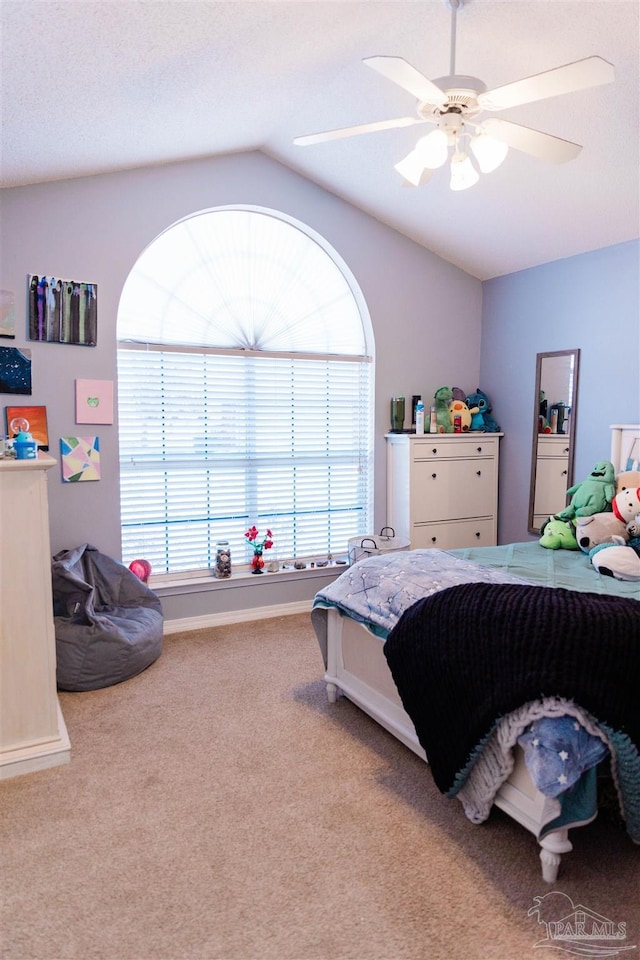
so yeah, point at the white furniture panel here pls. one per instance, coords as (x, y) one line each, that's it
(32, 730)
(442, 490)
(357, 668)
(552, 471)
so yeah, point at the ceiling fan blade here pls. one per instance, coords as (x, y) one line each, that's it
(353, 131)
(407, 77)
(537, 144)
(591, 72)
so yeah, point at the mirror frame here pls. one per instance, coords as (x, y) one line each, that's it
(572, 435)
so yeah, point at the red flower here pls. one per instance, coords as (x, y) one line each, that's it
(252, 537)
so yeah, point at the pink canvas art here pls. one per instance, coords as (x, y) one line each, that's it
(94, 401)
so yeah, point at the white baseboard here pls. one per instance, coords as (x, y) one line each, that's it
(236, 616)
(39, 755)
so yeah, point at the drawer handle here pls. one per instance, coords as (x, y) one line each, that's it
(435, 450)
(433, 539)
(564, 473)
(478, 534)
(478, 473)
(479, 449)
(434, 475)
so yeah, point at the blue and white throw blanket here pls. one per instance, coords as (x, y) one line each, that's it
(377, 590)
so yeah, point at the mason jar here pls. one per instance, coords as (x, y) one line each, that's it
(222, 567)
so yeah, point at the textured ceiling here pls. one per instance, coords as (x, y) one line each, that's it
(90, 86)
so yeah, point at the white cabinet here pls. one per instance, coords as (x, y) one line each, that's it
(32, 730)
(552, 471)
(442, 489)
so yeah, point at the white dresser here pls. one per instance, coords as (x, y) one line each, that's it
(552, 471)
(442, 489)
(32, 730)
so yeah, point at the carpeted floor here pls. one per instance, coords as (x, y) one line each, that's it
(217, 807)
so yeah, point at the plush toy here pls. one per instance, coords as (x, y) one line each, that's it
(598, 528)
(558, 535)
(626, 479)
(458, 408)
(443, 397)
(633, 527)
(477, 417)
(457, 393)
(142, 569)
(480, 409)
(593, 495)
(617, 560)
(626, 503)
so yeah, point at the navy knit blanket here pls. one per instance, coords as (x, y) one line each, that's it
(465, 657)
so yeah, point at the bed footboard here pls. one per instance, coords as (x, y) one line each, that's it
(357, 668)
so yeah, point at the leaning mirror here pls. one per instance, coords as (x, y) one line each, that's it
(554, 432)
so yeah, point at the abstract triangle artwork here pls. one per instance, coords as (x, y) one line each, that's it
(80, 458)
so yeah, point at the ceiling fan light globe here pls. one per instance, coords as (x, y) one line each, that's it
(411, 168)
(433, 149)
(463, 173)
(488, 152)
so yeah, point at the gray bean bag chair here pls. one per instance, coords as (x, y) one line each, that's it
(108, 623)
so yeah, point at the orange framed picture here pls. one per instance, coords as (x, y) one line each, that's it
(31, 419)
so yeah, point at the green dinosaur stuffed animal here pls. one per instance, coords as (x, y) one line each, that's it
(558, 535)
(443, 397)
(593, 495)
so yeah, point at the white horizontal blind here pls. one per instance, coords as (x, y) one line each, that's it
(212, 443)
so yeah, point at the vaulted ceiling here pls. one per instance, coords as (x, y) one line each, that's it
(91, 86)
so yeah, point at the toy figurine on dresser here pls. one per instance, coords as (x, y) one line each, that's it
(480, 408)
(443, 397)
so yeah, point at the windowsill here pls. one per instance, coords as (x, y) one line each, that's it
(166, 585)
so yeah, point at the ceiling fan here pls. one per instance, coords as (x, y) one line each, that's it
(453, 105)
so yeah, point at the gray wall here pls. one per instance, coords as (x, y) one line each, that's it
(93, 229)
(591, 302)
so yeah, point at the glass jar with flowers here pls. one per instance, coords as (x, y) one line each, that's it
(258, 546)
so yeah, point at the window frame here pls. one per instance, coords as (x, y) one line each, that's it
(368, 358)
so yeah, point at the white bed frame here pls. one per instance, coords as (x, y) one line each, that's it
(357, 668)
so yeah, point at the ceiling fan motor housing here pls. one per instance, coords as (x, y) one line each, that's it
(462, 93)
(461, 105)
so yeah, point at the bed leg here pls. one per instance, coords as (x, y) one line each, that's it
(332, 692)
(553, 845)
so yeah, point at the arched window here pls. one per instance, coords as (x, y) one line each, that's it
(244, 393)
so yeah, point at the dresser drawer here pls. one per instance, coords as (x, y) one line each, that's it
(553, 447)
(450, 536)
(437, 447)
(453, 489)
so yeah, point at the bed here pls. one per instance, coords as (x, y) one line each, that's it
(370, 625)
